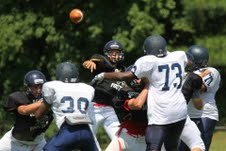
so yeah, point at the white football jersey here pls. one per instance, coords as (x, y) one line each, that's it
(69, 101)
(212, 83)
(166, 103)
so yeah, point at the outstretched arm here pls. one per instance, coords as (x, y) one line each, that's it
(29, 109)
(120, 75)
(114, 76)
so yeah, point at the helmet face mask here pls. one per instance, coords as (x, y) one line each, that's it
(155, 45)
(36, 90)
(114, 51)
(200, 56)
(33, 81)
(114, 55)
(67, 72)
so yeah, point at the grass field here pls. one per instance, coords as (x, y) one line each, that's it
(218, 141)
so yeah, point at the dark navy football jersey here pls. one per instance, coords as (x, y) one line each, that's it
(192, 82)
(124, 114)
(104, 65)
(106, 89)
(26, 127)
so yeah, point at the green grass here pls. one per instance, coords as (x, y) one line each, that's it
(218, 141)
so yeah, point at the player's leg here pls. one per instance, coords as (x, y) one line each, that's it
(173, 133)
(72, 137)
(154, 137)
(96, 116)
(138, 144)
(57, 141)
(87, 140)
(9, 143)
(126, 142)
(191, 136)
(6, 142)
(111, 122)
(39, 146)
(95, 139)
(208, 126)
(116, 144)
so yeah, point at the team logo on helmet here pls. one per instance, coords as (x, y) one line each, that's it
(114, 46)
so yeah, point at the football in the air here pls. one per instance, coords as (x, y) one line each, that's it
(76, 16)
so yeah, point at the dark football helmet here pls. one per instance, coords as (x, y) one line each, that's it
(67, 72)
(155, 45)
(200, 56)
(34, 77)
(114, 45)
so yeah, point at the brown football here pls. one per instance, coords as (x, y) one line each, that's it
(76, 16)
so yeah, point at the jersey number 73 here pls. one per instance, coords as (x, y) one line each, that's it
(167, 69)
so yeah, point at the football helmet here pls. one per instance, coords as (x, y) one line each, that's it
(32, 79)
(114, 45)
(200, 56)
(155, 45)
(67, 72)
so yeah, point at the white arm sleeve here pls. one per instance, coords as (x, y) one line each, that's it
(48, 94)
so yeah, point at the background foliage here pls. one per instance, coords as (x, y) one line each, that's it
(39, 35)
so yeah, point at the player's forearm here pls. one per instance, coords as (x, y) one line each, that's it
(119, 75)
(138, 102)
(29, 109)
(204, 73)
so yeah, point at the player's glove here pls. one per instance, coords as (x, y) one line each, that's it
(98, 77)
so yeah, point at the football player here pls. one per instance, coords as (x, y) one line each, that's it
(192, 84)
(69, 100)
(165, 71)
(132, 117)
(28, 132)
(105, 90)
(191, 135)
(202, 108)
